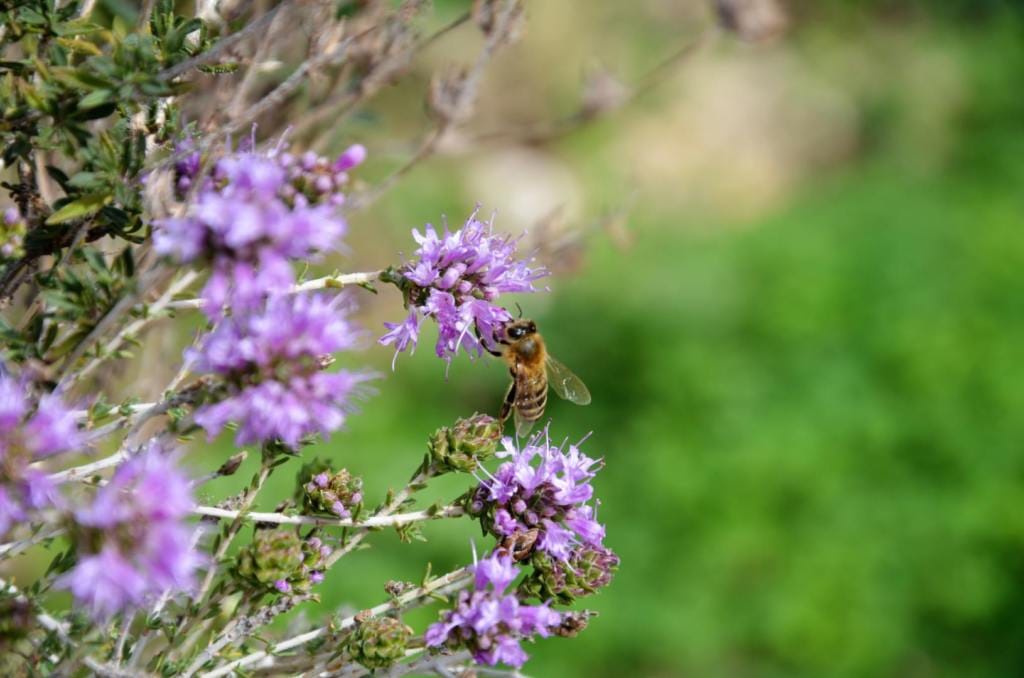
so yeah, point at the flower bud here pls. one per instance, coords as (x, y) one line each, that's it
(589, 568)
(354, 155)
(231, 465)
(279, 561)
(378, 642)
(463, 446)
(325, 492)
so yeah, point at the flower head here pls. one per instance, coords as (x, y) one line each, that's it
(251, 217)
(272, 362)
(588, 569)
(490, 622)
(542, 488)
(29, 433)
(454, 280)
(133, 541)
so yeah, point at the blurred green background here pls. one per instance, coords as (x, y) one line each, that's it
(805, 341)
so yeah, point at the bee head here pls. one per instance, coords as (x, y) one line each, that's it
(517, 329)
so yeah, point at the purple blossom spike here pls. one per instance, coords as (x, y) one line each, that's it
(133, 541)
(454, 279)
(271, 360)
(29, 433)
(544, 488)
(251, 217)
(490, 622)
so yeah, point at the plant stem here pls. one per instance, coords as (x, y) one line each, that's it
(327, 282)
(449, 583)
(374, 521)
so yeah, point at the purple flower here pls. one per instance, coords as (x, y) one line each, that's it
(187, 166)
(29, 434)
(133, 541)
(454, 280)
(543, 488)
(271, 361)
(354, 155)
(12, 233)
(252, 217)
(490, 622)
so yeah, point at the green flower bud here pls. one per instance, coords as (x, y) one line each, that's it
(277, 560)
(463, 446)
(378, 642)
(589, 568)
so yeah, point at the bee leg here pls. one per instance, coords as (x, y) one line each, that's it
(476, 330)
(506, 406)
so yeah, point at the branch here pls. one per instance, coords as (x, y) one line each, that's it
(15, 547)
(456, 110)
(224, 44)
(376, 521)
(594, 110)
(61, 630)
(177, 287)
(328, 282)
(152, 277)
(449, 583)
(281, 93)
(337, 107)
(125, 451)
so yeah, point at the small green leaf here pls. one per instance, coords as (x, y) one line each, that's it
(76, 209)
(95, 98)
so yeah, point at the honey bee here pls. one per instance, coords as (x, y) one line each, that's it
(533, 369)
(520, 545)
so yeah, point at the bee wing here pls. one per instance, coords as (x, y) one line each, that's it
(523, 426)
(566, 384)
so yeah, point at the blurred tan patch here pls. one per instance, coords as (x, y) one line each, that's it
(528, 185)
(739, 133)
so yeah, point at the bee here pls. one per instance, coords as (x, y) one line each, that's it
(520, 545)
(533, 369)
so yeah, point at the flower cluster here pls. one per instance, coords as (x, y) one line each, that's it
(465, 445)
(588, 569)
(279, 561)
(272, 363)
(378, 642)
(252, 216)
(133, 542)
(489, 622)
(28, 435)
(12, 234)
(541, 490)
(454, 280)
(336, 493)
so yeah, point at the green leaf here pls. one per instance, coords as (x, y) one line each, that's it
(76, 209)
(80, 46)
(95, 98)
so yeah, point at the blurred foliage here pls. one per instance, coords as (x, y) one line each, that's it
(812, 419)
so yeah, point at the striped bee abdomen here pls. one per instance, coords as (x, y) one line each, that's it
(531, 396)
